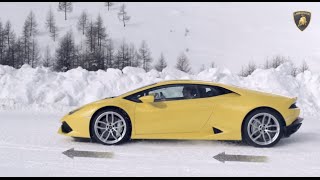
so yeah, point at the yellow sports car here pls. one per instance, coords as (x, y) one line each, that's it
(186, 109)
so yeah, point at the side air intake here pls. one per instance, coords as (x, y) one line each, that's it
(216, 130)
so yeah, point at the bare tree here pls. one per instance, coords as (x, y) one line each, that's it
(187, 31)
(54, 34)
(213, 65)
(50, 20)
(47, 58)
(66, 53)
(26, 42)
(202, 68)
(11, 52)
(304, 67)
(248, 70)
(83, 22)
(18, 53)
(96, 43)
(294, 71)
(35, 53)
(122, 15)
(183, 63)
(65, 7)
(109, 4)
(145, 56)
(101, 33)
(2, 47)
(30, 46)
(32, 24)
(161, 63)
(51, 25)
(276, 62)
(110, 53)
(134, 56)
(123, 58)
(91, 36)
(267, 64)
(9, 41)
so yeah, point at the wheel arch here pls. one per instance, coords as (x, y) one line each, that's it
(261, 108)
(108, 108)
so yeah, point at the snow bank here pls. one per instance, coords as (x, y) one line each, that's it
(43, 87)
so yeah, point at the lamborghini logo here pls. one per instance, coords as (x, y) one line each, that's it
(302, 19)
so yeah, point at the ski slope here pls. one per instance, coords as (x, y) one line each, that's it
(230, 34)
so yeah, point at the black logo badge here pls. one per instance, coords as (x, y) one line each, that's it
(302, 19)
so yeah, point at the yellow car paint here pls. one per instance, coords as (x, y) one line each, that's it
(186, 119)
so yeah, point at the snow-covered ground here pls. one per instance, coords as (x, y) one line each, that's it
(33, 101)
(29, 146)
(43, 88)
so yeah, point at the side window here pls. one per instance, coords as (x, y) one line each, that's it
(135, 97)
(175, 92)
(211, 91)
(168, 93)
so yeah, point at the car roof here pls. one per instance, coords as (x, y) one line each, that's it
(185, 81)
(169, 82)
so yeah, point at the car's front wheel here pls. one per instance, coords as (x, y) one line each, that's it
(111, 127)
(263, 128)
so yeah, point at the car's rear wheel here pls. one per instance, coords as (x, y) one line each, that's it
(111, 127)
(263, 128)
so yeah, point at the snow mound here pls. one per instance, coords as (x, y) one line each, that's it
(42, 87)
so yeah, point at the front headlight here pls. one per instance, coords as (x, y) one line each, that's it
(71, 112)
(293, 106)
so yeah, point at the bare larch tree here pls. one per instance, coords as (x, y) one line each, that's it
(122, 15)
(183, 63)
(109, 4)
(161, 64)
(65, 7)
(51, 25)
(145, 56)
(83, 22)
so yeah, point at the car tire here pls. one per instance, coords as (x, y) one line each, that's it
(263, 128)
(114, 130)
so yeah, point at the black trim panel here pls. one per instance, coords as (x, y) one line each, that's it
(66, 128)
(293, 128)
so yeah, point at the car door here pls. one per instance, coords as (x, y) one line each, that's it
(174, 111)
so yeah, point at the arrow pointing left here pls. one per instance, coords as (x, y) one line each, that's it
(71, 153)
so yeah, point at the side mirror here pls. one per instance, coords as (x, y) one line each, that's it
(147, 99)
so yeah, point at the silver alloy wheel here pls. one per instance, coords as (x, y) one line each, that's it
(263, 129)
(110, 127)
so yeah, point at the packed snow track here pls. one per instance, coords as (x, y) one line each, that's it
(30, 146)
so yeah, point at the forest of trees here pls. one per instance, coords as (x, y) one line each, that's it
(18, 50)
(275, 62)
(96, 49)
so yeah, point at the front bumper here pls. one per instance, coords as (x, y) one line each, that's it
(294, 127)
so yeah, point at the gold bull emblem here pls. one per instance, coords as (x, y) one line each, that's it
(302, 19)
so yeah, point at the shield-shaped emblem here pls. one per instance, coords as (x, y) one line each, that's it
(302, 19)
